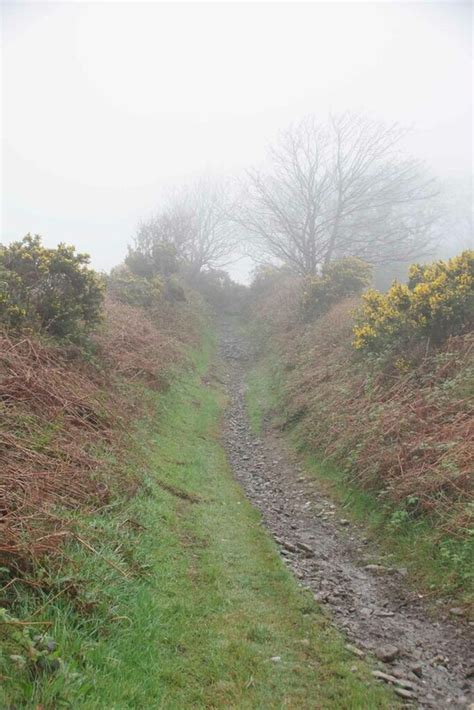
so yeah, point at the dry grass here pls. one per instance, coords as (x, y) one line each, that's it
(134, 347)
(402, 428)
(62, 418)
(52, 415)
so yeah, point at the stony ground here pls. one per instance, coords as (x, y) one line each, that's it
(428, 662)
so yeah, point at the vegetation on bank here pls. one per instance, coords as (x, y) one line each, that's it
(73, 366)
(436, 304)
(75, 348)
(65, 398)
(170, 593)
(120, 520)
(50, 290)
(393, 430)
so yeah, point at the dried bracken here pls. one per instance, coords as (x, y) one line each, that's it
(52, 416)
(402, 427)
(60, 417)
(133, 345)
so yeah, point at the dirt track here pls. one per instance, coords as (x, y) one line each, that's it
(432, 660)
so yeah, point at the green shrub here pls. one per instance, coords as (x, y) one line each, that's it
(126, 287)
(151, 257)
(437, 302)
(338, 280)
(48, 289)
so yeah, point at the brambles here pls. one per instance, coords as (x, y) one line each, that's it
(338, 280)
(53, 290)
(437, 303)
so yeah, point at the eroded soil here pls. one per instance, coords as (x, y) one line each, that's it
(429, 663)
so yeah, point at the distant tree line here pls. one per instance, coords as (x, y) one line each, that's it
(328, 190)
(334, 202)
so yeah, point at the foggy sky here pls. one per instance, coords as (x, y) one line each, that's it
(106, 104)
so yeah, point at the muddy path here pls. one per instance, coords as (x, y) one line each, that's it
(428, 662)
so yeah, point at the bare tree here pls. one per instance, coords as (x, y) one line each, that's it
(194, 225)
(212, 239)
(337, 189)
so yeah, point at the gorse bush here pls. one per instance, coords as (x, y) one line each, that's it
(150, 257)
(126, 287)
(338, 280)
(152, 271)
(53, 290)
(436, 303)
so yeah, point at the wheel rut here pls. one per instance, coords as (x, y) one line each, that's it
(428, 662)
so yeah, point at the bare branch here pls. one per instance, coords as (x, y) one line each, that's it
(337, 189)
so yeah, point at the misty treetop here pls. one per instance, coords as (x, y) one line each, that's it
(329, 189)
(339, 188)
(192, 232)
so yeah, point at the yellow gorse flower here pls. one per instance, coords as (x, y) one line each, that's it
(437, 302)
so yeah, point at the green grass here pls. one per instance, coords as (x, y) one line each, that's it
(439, 565)
(202, 603)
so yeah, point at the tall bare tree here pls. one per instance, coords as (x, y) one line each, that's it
(335, 189)
(194, 225)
